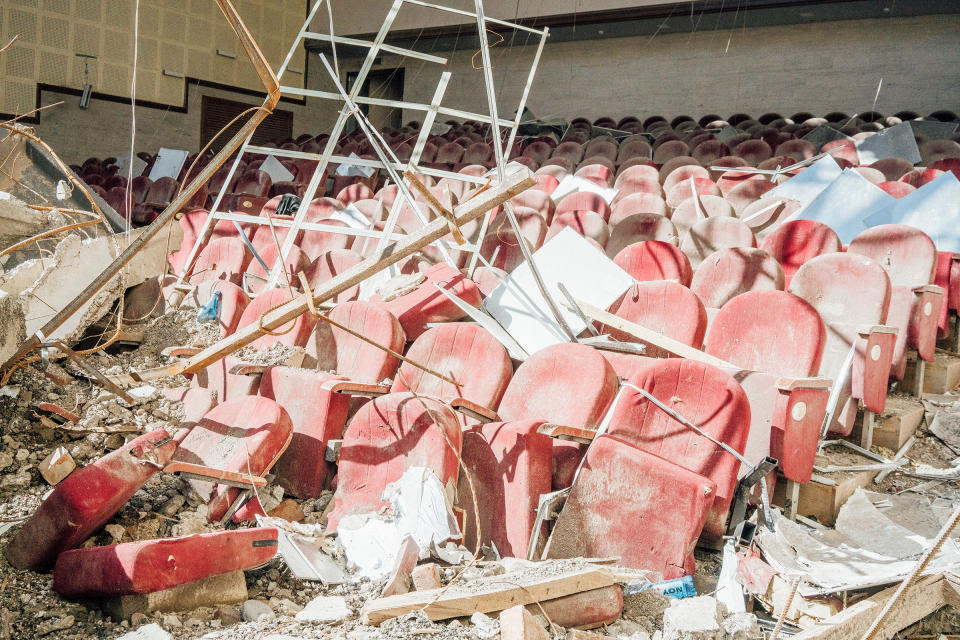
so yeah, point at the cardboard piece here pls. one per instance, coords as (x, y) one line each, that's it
(895, 142)
(587, 274)
(573, 184)
(845, 204)
(347, 169)
(809, 183)
(275, 169)
(824, 134)
(168, 164)
(934, 208)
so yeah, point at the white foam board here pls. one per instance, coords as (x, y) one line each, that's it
(845, 204)
(168, 164)
(275, 169)
(573, 184)
(809, 183)
(347, 169)
(895, 142)
(934, 208)
(588, 275)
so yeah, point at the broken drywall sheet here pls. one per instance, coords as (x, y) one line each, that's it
(867, 549)
(845, 204)
(586, 272)
(573, 184)
(275, 169)
(895, 142)
(809, 183)
(934, 208)
(168, 163)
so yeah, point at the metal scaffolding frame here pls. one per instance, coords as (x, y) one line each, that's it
(386, 160)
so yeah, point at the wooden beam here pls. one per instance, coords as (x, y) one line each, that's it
(924, 598)
(648, 335)
(492, 594)
(473, 208)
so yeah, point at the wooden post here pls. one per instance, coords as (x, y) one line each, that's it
(792, 499)
(866, 431)
(918, 380)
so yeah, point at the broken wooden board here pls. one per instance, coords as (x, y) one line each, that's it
(900, 420)
(940, 376)
(491, 594)
(516, 623)
(279, 316)
(928, 595)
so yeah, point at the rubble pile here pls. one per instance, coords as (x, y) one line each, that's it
(606, 390)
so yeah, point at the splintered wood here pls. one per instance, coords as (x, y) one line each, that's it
(489, 595)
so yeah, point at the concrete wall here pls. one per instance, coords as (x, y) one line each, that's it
(817, 67)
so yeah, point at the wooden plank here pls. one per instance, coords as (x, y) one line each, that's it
(493, 594)
(276, 318)
(940, 376)
(648, 335)
(823, 501)
(924, 598)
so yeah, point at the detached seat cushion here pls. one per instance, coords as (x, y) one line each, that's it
(154, 565)
(636, 506)
(86, 499)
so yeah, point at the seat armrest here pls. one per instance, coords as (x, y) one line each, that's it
(180, 352)
(565, 432)
(473, 410)
(359, 389)
(220, 476)
(928, 288)
(789, 384)
(248, 369)
(866, 330)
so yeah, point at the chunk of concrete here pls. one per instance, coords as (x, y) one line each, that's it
(325, 609)
(426, 576)
(57, 466)
(228, 588)
(254, 610)
(14, 325)
(44, 287)
(403, 565)
(147, 632)
(516, 623)
(742, 626)
(698, 618)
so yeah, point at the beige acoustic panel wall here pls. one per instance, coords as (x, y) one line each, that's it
(818, 67)
(351, 22)
(103, 130)
(182, 36)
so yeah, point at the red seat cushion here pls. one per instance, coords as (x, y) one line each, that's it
(664, 306)
(770, 331)
(387, 436)
(708, 397)
(655, 260)
(636, 506)
(727, 273)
